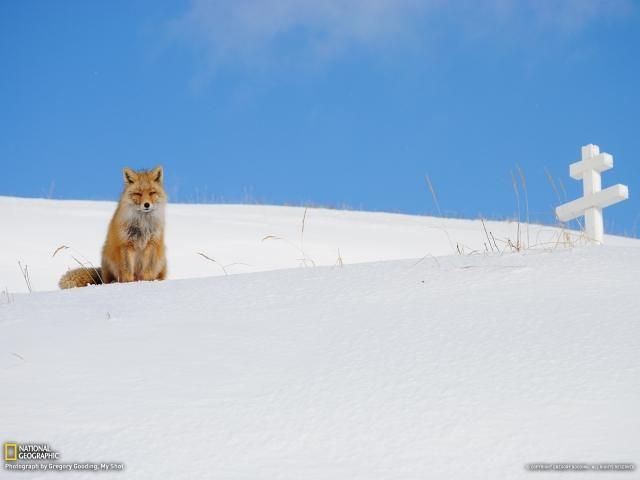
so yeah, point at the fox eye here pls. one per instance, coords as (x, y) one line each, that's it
(136, 194)
(152, 193)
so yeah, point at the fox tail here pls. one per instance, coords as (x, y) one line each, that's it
(81, 277)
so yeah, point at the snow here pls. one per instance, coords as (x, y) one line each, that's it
(234, 236)
(409, 360)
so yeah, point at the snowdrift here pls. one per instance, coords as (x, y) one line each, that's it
(436, 366)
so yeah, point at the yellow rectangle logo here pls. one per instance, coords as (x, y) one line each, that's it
(10, 452)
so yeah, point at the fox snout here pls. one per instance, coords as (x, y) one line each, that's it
(143, 205)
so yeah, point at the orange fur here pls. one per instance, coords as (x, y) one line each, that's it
(134, 249)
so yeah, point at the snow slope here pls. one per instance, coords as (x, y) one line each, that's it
(233, 235)
(457, 366)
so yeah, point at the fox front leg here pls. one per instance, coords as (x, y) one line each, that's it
(127, 264)
(163, 272)
(151, 261)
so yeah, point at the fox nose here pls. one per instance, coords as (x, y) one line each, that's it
(147, 204)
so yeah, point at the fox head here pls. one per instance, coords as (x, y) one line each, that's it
(143, 190)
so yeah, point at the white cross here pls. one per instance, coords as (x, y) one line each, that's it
(595, 199)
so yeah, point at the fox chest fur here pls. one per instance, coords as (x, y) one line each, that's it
(140, 228)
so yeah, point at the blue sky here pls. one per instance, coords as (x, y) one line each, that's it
(337, 103)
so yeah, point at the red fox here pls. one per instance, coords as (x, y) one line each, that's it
(134, 249)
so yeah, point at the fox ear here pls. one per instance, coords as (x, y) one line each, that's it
(129, 175)
(157, 174)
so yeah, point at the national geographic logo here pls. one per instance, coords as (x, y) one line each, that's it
(10, 452)
(14, 452)
(41, 457)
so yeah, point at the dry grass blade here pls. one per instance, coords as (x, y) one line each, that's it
(424, 258)
(487, 235)
(433, 194)
(523, 182)
(304, 218)
(90, 267)
(305, 260)
(25, 275)
(271, 237)
(517, 192)
(61, 247)
(553, 184)
(7, 295)
(562, 189)
(437, 203)
(214, 261)
(494, 242)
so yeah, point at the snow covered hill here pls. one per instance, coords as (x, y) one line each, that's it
(440, 365)
(245, 238)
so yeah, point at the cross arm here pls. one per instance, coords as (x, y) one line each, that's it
(601, 199)
(599, 163)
